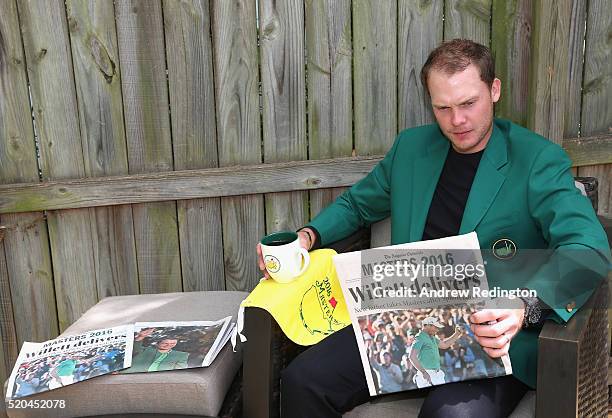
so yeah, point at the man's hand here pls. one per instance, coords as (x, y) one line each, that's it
(457, 334)
(260, 261)
(143, 334)
(503, 325)
(305, 242)
(458, 330)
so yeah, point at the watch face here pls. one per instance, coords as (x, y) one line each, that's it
(533, 311)
(534, 315)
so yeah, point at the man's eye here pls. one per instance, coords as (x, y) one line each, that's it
(468, 104)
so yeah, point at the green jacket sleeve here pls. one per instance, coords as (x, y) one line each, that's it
(366, 202)
(137, 348)
(581, 254)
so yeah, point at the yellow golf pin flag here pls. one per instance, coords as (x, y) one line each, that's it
(309, 308)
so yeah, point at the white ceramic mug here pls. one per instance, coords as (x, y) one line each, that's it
(283, 256)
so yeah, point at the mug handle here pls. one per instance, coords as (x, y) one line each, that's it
(306, 256)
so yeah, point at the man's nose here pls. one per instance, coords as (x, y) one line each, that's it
(457, 117)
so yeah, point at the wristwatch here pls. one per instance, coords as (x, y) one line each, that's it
(534, 308)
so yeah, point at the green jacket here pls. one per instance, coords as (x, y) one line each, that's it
(143, 357)
(523, 190)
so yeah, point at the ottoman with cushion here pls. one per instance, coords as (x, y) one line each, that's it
(191, 392)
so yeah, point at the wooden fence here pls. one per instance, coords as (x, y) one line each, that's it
(146, 145)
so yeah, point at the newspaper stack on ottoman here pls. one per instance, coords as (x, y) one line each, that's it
(197, 391)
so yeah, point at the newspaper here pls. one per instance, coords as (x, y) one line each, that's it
(409, 306)
(160, 346)
(63, 361)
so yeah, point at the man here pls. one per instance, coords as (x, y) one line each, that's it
(468, 172)
(390, 377)
(396, 342)
(425, 354)
(160, 357)
(63, 374)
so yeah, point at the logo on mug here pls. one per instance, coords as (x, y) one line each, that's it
(272, 264)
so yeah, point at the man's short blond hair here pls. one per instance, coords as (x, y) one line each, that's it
(455, 56)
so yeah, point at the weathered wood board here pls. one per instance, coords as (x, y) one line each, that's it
(140, 35)
(93, 41)
(330, 97)
(194, 138)
(50, 73)
(239, 133)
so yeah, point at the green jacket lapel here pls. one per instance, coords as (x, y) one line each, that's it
(487, 182)
(427, 170)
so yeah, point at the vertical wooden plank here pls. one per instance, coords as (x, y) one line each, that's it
(597, 90)
(140, 37)
(236, 91)
(47, 48)
(281, 33)
(548, 86)
(420, 28)
(511, 44)
(375, 69)
(575, 68)
(8, 340)
(25, 252)
(192, 100)
(330, 101)
(470, 19)
(28, 259)
(17, 150)
(98, 85)
(201, 241)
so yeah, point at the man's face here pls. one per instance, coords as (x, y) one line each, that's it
(463, 106)
(167, 344)
(387, 359)
(431, 329)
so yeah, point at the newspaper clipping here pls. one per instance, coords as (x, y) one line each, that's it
(162, 346)
(409, 306)
(63, 361)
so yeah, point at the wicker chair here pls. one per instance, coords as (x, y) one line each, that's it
(572, 367)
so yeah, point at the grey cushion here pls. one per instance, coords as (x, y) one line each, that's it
(399, 405)
(190, 392)
(408, 404)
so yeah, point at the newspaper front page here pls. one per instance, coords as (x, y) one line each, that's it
(64, 361)
(409, 306)
(160, 346)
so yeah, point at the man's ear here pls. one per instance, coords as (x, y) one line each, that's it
(495, 90)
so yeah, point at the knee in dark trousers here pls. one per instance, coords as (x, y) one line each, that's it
(301, 389)
(488, 398)
(326, 380)
(297, 385)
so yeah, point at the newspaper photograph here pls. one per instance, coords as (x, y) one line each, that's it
(63, 361)
(410, 306)
(160, 346)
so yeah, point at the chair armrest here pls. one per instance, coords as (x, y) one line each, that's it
(606, 222)
(591, 186)
(573, 362)
(257, 364)
(266, 353)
